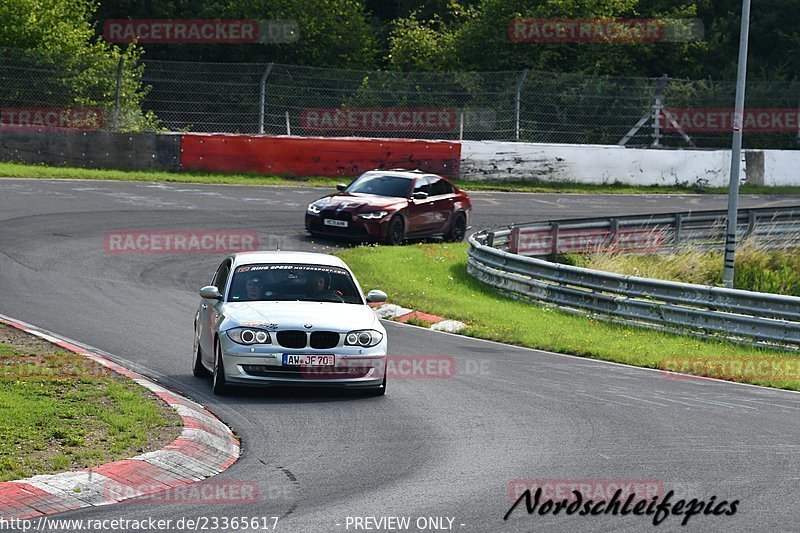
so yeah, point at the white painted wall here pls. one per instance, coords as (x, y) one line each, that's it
(781, 167)
(482, 160)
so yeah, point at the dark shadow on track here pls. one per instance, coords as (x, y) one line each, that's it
(284, 394)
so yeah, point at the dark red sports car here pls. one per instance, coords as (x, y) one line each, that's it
(391, 206)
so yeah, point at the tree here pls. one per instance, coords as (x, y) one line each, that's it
(333, 33)
(58, 61)
(479, 39)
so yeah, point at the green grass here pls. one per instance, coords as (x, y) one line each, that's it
(433, 278)
(60, 411)
(775, 271)
(16, 170)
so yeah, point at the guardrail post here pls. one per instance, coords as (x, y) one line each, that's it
(751, 223)
(614, 226)
(678, 226)
(554, 244)
(490, 239)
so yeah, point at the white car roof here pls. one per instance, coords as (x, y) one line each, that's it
(306, 258)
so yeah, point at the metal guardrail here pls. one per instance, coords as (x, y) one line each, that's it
(772, 227)
(737, 315)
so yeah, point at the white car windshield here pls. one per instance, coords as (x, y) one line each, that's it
(293, 282)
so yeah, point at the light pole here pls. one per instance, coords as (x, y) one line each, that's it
(736, 150)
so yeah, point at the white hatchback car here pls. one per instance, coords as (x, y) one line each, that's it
(289, 318)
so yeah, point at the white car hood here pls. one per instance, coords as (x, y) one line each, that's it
(295, 315)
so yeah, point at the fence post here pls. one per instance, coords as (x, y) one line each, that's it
(517, 97)
(657, 107)
(461, 126)
(288, 125)
(262, 98)
(118, 92)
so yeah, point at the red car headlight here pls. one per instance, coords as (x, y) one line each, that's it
(377, 215)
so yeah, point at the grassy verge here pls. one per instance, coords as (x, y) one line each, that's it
(433, 278)
(60, 411)
(775, 271)
(15, 170)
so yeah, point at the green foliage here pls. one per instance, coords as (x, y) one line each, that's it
(480, 41)
(333, 33)
(417, 43)
(57, 60)
(60, 411)
(56, 26)
(436, 35)
(418, 46)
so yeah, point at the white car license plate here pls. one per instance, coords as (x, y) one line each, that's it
(308, 360)
(337, 223)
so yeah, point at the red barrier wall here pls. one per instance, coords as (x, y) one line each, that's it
(315, 156)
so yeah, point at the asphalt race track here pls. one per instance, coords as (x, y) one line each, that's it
(429, 448)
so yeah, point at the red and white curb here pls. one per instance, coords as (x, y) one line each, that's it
(401, 314)
(205, 447)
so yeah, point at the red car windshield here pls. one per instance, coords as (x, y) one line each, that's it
(381, 186)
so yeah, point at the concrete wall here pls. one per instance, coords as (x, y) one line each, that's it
(91, 149)
(781, 167)
(315, 156)
(471, 160)
(485, 160)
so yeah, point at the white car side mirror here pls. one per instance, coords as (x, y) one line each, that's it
(210, 292)
(376, 296)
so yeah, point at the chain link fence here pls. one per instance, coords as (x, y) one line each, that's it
(277, 99)
(66, 91)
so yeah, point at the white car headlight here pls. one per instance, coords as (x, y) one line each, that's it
(363, 337)
(249, 336)
(373, 216)
(313, 209)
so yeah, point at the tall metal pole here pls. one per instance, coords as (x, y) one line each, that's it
(736, 150)
(517, 99)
